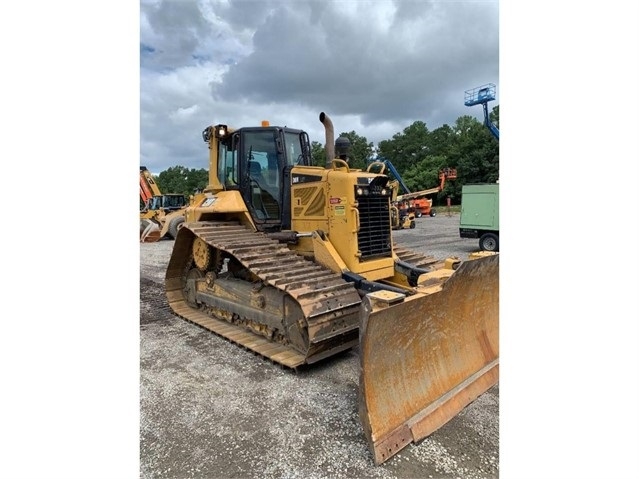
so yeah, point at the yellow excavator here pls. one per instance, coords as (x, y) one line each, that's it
(297, 263)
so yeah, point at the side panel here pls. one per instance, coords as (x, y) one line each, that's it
(480, 207)
(356, 225)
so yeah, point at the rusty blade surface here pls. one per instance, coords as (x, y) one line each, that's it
(425, 359)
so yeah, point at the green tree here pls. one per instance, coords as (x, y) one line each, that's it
(494, 116)
(440, 140)
(419, 154)
(406, 148)
(475, 152)
(197, 180)
(424, 175)
(318, 154)
(179, 179)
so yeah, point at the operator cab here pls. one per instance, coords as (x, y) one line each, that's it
(257, 161)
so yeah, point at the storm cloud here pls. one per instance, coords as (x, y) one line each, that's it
(374, 66)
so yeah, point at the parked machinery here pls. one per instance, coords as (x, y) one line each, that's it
(480, 202)
(416, 202)
(297, 263)
(419, 201)
(162, 214)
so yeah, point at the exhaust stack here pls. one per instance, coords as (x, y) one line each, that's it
(330, 138)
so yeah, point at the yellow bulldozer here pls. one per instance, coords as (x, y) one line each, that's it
(297, 263)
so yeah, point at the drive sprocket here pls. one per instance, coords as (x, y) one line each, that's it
(206, 257)
(202, 254)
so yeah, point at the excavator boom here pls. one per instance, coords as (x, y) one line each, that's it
(148, 186)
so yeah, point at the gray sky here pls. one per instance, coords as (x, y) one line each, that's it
(373, 66)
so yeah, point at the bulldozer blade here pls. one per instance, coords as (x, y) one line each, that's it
(424, 359)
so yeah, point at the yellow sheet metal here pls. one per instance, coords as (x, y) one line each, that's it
(424, 359)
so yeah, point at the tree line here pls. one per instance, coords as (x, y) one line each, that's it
(417, 153)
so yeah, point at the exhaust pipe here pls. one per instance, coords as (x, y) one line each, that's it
(330, 138)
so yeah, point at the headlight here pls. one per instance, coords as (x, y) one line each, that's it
(220, 131)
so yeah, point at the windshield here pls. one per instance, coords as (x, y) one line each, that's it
(155, 203)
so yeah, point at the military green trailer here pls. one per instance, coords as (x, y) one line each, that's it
(480, 215)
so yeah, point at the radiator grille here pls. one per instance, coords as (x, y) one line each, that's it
(374, 237)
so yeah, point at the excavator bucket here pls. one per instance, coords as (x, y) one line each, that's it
(427, 357)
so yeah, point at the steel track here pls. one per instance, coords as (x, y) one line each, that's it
(329, 303)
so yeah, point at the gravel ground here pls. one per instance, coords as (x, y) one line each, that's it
(210, 409)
